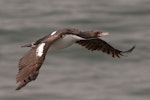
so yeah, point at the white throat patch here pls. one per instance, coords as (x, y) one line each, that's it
(40, 49)
(53, 33)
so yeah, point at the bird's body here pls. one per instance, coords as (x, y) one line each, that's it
(65, 42)
(32, 61)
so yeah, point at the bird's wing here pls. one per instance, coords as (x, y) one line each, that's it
(31, 62)
(101, 45)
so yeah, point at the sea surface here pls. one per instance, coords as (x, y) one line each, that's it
(75, 73)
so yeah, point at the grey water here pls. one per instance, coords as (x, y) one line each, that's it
(76, 73)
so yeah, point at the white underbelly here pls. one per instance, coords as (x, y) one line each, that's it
(64, 42)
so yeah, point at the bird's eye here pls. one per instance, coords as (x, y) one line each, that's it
(97, 32)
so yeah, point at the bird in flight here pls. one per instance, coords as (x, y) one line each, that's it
(32, 61)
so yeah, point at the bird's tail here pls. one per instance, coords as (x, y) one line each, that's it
(29, 45)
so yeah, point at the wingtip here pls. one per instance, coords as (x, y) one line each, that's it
(130, 50)
(19, 86)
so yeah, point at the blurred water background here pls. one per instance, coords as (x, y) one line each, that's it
(76, 73)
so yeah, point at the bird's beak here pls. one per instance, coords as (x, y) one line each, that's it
(104, 33)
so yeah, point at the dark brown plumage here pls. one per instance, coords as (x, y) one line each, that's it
(100, 45)
(30, 63)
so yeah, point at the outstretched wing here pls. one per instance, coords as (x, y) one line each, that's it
(101, 45)
(31, 62)
(29, 66)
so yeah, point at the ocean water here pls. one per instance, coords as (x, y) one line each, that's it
(76, 73)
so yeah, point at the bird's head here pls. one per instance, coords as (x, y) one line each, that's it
(98, 33)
